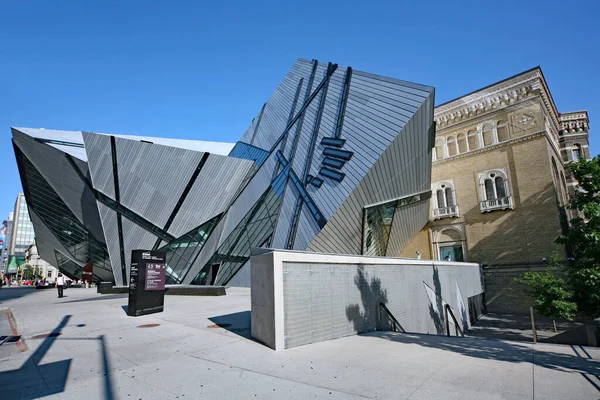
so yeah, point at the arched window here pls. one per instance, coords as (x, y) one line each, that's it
(502, 129)
(494, 190)
(445, 200)
(473, 138)
(577, 153)
(463, 146)
(451, 144)
(486, 134)
(439, 149)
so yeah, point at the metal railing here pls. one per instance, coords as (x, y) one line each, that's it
(444, 212)
(396, 327)
(448, 311)
(501, 203)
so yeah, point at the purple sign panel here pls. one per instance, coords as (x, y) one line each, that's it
(155, 276)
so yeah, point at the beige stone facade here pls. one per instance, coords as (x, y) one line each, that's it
(499, 184)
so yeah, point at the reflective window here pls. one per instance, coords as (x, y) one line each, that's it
(377, 224)
(182, 252)
(255, 230)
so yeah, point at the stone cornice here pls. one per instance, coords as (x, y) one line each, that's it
(574, 122)
(468, 123)
(490, 148)
(526, 85)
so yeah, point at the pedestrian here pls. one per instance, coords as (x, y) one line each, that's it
(418, 255)
(60, 284)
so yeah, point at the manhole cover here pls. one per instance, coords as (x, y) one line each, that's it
(148, 326)
(46, 335)
(219, 326)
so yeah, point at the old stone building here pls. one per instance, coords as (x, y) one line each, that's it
(499, 184)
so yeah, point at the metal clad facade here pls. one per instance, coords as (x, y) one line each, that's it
(99, 157)
(109, 224)
(220, 179)
(146, 180)
(392, 176)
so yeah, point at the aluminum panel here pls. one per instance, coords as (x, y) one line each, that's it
(109, 225)
(152, 177)
(97, 148)
(220, 178)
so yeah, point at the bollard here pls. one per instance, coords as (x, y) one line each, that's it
(533, 325)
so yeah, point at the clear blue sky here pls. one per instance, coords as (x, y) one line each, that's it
(202, 69)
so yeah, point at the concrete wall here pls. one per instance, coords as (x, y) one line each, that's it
(300, 298)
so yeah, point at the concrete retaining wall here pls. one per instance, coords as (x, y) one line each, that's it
(300, 298)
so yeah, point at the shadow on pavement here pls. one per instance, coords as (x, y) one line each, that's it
(238, 323)
(34, 380)
(14, 292)
(503, 351)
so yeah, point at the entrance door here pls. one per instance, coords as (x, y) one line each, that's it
(451, 253)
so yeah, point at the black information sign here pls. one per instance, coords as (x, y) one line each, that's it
(146, 282)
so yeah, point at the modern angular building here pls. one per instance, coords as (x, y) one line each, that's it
(336, 161)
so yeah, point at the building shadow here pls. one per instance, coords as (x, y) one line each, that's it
(35, 380)
(371, 294)
(15, 292)
(239, 323)
(490, 349)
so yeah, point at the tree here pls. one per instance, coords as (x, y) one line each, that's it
(579, 290)
(27, 272)
(551, 297)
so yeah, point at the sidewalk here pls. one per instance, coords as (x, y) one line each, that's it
(84, 346)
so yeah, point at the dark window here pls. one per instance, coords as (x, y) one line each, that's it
(335, 142)
(489, 190)
(331, 174)
(343, 154)
(334, 163)
(500, 188)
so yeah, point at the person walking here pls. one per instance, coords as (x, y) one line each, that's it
(60, 284)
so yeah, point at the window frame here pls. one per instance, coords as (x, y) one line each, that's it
(493, 174)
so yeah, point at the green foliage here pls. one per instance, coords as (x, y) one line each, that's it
(584, 234)
(551, 298)
(27, 272)
(580, 289)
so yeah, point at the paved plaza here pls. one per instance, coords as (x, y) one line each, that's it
(84, 346)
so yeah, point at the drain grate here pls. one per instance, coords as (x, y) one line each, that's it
(218, 326)
(148, 326)
(46, 335)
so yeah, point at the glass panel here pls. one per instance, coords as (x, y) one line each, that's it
(502, 131)
(440, 199)
(451, 253)
(487, 136)
(489, 190)
(452, 147)
(473, 140)
(576, 153)
(500, 189)
(378, 223)
(449, 197)
(462, 143)
(61, 221)
(249, 152)
(182, 252)
(253, 231)
(439, 151)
